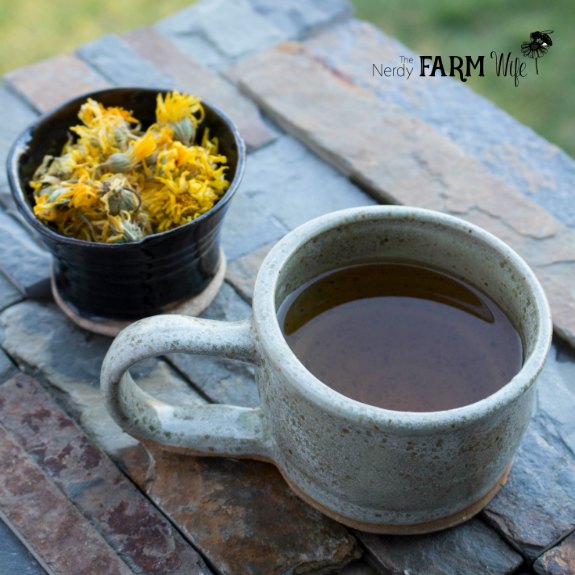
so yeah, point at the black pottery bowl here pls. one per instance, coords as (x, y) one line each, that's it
(116, 284)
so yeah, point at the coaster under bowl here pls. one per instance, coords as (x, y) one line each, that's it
(112, 327)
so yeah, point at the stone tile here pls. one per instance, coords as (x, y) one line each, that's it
(401, 159)
(6, 199)
(8, 293)
(193, 44)
(242, 515)
(15, 557)
(558, 561)
(51, 82)
(196, 79)
(296, 18)
(22, 260)
(241, 273)
(509, 149)
(58, 535)
(248, 226)
(113, 58)
(44, 342)
(471, 548)
(358, 567)
(536, 507)
(296, 186)
(221, 380)
(233, 28)
(131, 525)
(7, 368)
(15, 116)
(556, 398)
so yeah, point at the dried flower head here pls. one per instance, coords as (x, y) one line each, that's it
(115, 182)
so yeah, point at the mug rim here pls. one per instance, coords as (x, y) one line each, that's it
(271, 339)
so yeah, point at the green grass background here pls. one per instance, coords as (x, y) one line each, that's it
(35, 29)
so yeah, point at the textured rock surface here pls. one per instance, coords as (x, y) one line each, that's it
(471, 548)
(241, 273)
(130, 524)
(113, 58)
(536, 508)
(7, 368)
(221, 380)
(15, 115)
(8, 293)
(37, 82)
(241, 515)
(43, 341)
(511, 150)
(200, 81)
(233, 29)
(358, 567)
(401, 159)
(247, 227)
(15, 557)
(22, 260)
(294, 186)
(558, 561)
(51, 526)
(297, 18)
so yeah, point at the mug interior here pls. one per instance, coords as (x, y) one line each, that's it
(390, 233)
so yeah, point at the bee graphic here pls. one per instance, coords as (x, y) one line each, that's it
(538, 45)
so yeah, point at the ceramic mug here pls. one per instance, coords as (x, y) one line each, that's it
(370, 468)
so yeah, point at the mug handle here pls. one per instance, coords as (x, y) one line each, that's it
(210, 429)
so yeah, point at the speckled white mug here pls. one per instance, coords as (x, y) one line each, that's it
(374, 469)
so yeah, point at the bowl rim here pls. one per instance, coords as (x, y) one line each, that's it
(21, 145)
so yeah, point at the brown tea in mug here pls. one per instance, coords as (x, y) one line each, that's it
(401, 336)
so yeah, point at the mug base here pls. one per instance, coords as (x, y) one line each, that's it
(414, 529)
(112, 327)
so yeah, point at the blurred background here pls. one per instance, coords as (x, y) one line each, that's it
(35, 29)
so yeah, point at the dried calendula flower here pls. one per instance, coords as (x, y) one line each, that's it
(178, 112)
(117, 183)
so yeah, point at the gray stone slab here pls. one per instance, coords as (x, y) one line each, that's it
(471, 548)
(559, 560)
(196, 79)
(536, 508)
(7, 368)
(45, 343)
(296, 18)
(114, 59)
(15, 116)
(556, 398)
(22, 260)
(358, 567)
(234, 29)
(14, 555)
(295, 186)
(8, 293)
(193, 44)
(248, 226)
(242, 273)
(511, 150)
(223, 381)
